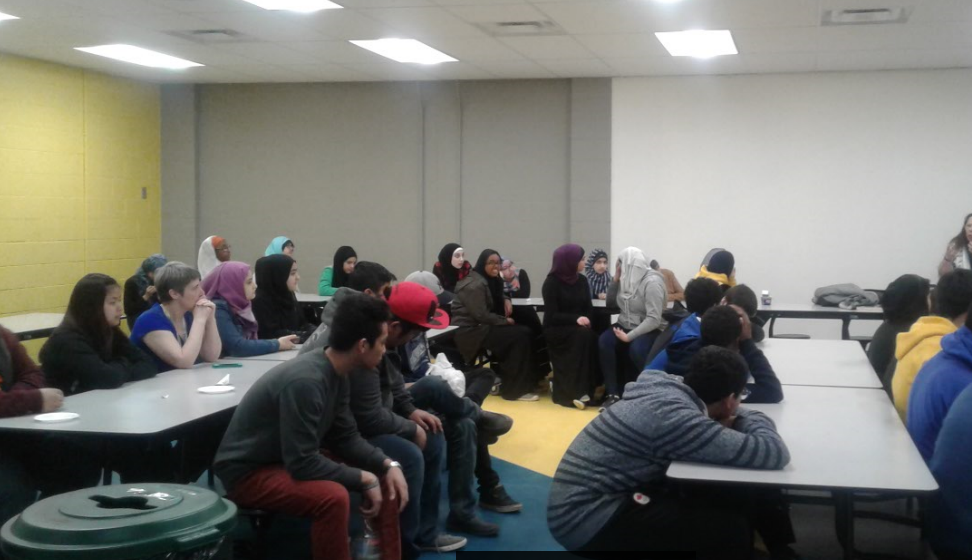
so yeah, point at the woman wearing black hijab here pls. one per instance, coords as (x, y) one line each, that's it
(451, 267)
(336, 276)
(479, 312)
(275, 305)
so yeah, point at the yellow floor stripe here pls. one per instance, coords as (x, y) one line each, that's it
(541, 432)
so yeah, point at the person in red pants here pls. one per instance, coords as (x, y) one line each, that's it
(270, 457)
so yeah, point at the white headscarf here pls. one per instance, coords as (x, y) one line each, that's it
(207, 257)
(634, 271)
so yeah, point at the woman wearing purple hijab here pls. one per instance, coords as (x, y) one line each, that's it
(567, 328)
(231, 287)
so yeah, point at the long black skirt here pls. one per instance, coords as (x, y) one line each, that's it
(573, 354)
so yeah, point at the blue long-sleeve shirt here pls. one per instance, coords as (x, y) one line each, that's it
(950, 511)
(231, 333)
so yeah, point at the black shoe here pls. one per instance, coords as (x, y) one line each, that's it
(492, 425)
(473, 526)
(608, 401)
(496, 499)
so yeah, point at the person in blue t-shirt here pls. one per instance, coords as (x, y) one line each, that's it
(181, 329)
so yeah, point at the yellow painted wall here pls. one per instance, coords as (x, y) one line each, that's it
(76, 150)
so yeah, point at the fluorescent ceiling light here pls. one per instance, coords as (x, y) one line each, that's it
(4, 16)
(700, 44)
(405, 50)
(138, 55)
(295, 5)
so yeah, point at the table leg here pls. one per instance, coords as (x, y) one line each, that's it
(845, 328)
(844, 502)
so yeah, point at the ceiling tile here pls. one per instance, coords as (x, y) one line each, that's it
(392, 70)
(266, 53)
(113, 7)
(892, 37)
(384, 3)
(207, 6)
(336, 52)
(584, 68)
(515, 69)
(497, 12)
(457, 71)
(472, 49)
(424, 23)
(548, 47)
(776, 39)
(349, 24)
(771, 63)
(623, 45)
(323, 72)
(269, 26)
(48, 8)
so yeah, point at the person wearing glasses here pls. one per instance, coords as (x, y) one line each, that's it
(213, 251)
(482, 313)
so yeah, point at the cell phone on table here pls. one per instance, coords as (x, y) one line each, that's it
(221, 365)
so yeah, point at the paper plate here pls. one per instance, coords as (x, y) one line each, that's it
(216, 389)
(56, 417)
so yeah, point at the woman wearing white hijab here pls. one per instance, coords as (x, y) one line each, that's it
(639, 292)
(213, 251)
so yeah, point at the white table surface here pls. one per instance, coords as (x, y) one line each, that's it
(817, 362)
(166, 401)
(29, 322)
(312, 298)
(290, 354)
(814, 308)
(538, 302)
(839, 438)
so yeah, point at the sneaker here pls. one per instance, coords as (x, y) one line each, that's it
(492, 425)
(582, 402)
(443, 543)
(496, 499)
(529, 397)
(472, 526)
(608, 401)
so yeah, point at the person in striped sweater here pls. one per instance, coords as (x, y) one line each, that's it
(610, 492)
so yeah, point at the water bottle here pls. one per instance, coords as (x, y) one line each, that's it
(767, 299)
(367, 546)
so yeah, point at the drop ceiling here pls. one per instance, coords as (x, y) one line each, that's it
(590, 38)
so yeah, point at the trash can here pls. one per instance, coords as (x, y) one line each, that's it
(123, 522)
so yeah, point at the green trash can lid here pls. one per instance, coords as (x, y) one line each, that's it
(119, 522)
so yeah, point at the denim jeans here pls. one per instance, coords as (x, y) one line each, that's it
(421, 469)
(615, 375)
(459, 424)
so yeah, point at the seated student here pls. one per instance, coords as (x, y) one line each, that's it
(952, 299)
(937, 385)
(567, 315)
(673, 289)
(139, 289)
(230, 286)
(336, 276)
(744, 297)
(904, 302)
(271, 457)
(478, 311)
(610, 493)
(281, 245)
(87, 350)
(701, 294)
(415, 360)
(727, 326)
(181, 329)
(34, 462)
(212, 251)
(640, 294)
(516, 284)
(597, 274)
(452, 266)
(368, 278)
(948, 523)
(275, 306)
(719, 265)
(387, 415)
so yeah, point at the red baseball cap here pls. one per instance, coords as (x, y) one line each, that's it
(417, 304)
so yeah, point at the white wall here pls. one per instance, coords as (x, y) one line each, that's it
(809, 179)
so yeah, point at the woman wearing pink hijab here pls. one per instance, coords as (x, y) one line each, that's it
(231, 287)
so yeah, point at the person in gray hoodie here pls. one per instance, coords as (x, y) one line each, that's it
(610, 492)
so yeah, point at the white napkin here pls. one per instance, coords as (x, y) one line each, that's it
(224, 381)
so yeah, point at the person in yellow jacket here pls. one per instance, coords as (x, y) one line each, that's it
(923, 341)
